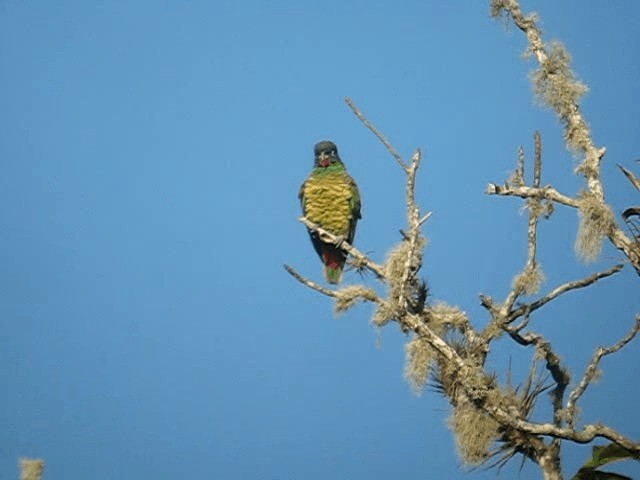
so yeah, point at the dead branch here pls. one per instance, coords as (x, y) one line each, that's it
(592, 370)
(553, 364)
(310, 283)
(555, 75)
(556, 292)
(378, 134)
(546, 193)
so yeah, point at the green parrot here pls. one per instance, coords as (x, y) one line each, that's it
(330, 198)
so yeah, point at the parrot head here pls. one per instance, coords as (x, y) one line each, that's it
(326, 154)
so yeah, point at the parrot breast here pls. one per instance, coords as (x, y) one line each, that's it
(328, 200)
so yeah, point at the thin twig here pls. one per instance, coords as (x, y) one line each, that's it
(523, 324)
(377, 133)
(592, 369)
(556, 292)
(310, 283)
(426, 217)
(537, 159)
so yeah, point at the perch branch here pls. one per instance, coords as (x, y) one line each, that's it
(354, 252)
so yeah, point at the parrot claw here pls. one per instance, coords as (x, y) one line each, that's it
(339, 241)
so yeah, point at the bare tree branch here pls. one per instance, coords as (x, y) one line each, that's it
(480, 396)
(553, 76)
(556, 292)
(547, 193)
(553, 364)
(310, 283)
(592, 370)
(378, 134)
(586, 435)
(528, 281)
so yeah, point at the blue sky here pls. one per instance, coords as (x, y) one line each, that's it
(150, 156)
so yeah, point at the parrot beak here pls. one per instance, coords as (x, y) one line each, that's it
(324, 160)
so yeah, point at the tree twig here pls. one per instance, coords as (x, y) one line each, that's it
(556, 292)
(377, 133)
(592, 369)
(310, 283)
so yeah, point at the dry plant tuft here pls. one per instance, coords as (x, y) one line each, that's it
(383, 315)
(396, 264)
(547, 208)
(419, 355)
(535, 207)
(475, 433)
(596, 222)
(443, 316)
(529, 281)
(348, 296)
(396, 258)
(498, 8)
(555, 85)
(31, 469)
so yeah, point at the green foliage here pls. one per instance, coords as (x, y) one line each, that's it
(603, 455)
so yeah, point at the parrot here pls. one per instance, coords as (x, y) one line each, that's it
(330, 198)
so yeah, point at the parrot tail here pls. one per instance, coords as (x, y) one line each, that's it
(333, 259)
